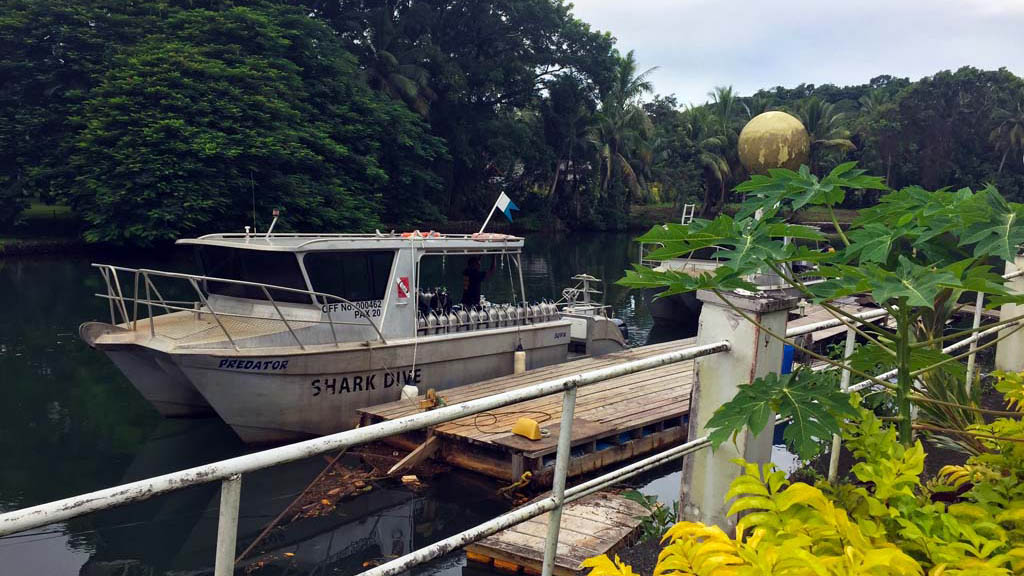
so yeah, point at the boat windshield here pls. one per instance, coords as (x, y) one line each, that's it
(263, 267)
(355, 276)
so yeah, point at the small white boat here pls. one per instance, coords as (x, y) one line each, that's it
(285, 336)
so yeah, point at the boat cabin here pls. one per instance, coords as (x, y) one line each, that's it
(362, 286)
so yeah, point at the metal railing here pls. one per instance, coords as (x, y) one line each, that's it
(119, 301)
(229, 472)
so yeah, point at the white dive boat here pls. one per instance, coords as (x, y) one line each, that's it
(284, 336)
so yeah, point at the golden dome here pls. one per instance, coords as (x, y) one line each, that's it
(773, 140)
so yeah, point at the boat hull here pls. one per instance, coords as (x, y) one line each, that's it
(152, 372)
(284, 397)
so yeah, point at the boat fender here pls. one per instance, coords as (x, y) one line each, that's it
(410, 392)
(519, 362)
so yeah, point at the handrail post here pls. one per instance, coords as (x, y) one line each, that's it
(978, 304)
(283, 319)
(330, 320)
(105, 272)
(149, 305)
(135, 303)
(227, 525)
(1008, 350)
(844, 385)
(213, 313)
(562, 457)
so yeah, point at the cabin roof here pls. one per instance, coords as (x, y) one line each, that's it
(435, 242)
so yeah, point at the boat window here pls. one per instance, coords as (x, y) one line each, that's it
(264, 267)
(354, 276)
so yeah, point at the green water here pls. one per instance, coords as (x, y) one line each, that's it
(71, 423)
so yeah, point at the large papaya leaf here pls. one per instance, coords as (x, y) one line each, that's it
(809, 398)
(1001, 232)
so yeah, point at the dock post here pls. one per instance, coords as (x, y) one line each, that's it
(227, 525)
(1010, 352)
(707, 474)
(558, 482)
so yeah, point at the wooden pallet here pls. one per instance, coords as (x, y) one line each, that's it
(599, 524)
(614, 420)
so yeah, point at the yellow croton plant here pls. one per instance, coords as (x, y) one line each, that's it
(969, 520)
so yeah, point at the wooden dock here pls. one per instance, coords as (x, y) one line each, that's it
(615, 420)
(601, 523)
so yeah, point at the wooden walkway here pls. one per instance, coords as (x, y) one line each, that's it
(599, 524)
(614, 420)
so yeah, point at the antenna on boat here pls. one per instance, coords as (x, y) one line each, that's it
(270, 230)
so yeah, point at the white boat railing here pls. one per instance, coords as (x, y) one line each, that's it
(229, 472)
(119, 302)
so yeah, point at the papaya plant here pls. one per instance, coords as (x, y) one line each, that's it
(915, 254)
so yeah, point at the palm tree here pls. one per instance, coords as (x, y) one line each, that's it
(703, 130)
(1008, 135)
(726, 105)
(392, 68)
(873, 101)
(622, 128)
(755, 105)
(825, 127)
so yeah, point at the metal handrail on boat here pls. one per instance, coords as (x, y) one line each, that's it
(116, 295)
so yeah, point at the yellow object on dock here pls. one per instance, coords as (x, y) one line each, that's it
(527, 428)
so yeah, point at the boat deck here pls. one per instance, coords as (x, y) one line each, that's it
(615, 420)
(190, 329)
(601, 523)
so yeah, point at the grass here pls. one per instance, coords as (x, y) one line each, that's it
(39, 211)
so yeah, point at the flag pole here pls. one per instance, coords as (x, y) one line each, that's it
(488, 218)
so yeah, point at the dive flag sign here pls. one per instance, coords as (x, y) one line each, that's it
(403, 287)
(505, 204)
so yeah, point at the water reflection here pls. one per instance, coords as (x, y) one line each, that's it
(70, 423)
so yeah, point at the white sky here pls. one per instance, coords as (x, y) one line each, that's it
(699, 44)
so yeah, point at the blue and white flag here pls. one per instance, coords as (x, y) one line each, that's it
(506, 205)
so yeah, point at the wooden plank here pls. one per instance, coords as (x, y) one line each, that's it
(596, 525)
(421, 453)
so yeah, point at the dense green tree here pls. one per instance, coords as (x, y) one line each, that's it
(228, 113)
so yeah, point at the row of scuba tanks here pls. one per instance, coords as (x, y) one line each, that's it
(438, 316)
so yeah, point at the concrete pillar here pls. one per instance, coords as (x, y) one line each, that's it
(1010, 352)
(707, 474)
